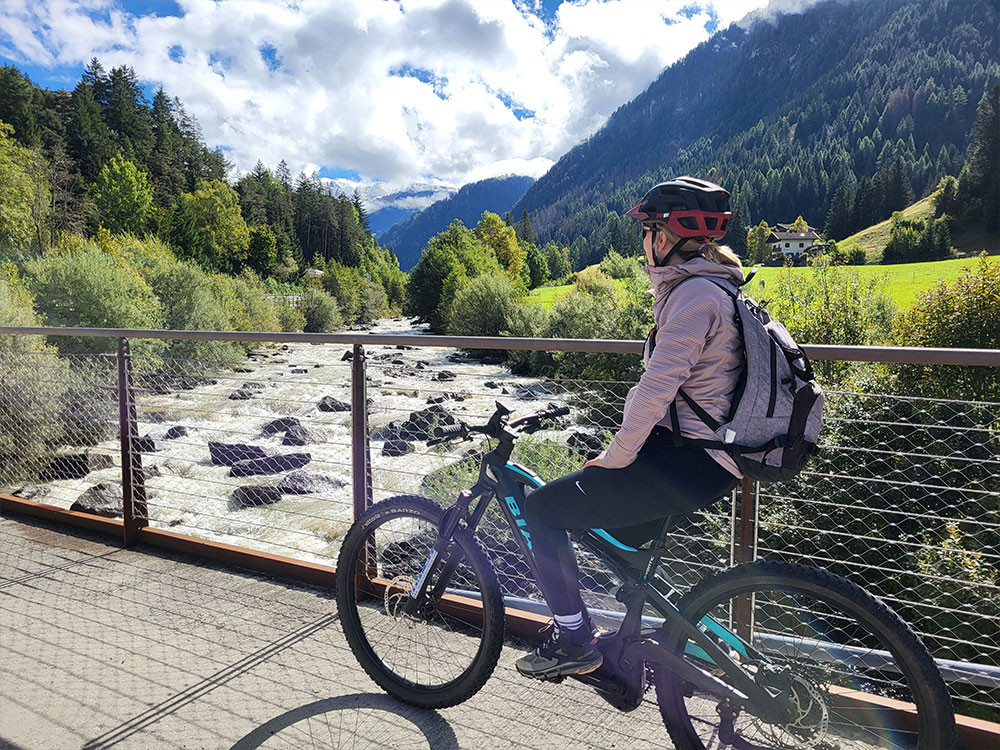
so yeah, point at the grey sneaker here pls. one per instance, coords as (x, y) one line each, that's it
(565, 652)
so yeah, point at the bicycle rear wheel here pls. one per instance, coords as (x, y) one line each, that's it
(442, 655)
(855, 672)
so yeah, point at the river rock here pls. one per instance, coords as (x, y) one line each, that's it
(299, 371)
(241, 394)
(104, 499)
(297, 435)
(227, 454)
(76, 465)
(145, 444)
(437, 399)
(419, 426)
(445, 375)
(397, 448)
(491, 384)
(155, 416)
(253, 495)
(492, 359)
(348, 356)
(175, 432)
(305, 483)
(269, 465)
(329, 403)
(279, 425)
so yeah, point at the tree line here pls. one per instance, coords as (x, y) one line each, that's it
(103, 158)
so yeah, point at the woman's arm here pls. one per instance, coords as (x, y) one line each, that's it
(689, 318)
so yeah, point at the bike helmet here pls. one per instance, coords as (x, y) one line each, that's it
(689, 207)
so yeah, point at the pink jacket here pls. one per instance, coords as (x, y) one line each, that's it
(698, 348)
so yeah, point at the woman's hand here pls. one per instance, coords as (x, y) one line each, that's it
(596, 461)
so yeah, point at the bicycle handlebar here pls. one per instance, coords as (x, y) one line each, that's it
(530, 423)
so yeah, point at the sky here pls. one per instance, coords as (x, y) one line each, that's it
(386, 96)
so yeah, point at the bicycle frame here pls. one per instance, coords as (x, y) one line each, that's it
(638, 569)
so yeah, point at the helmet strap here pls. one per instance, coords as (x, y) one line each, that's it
(675, 248)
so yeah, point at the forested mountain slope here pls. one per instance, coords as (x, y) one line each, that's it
(408, 238)
(875, 98)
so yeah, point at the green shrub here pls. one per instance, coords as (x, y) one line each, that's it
(34, 382)
(320, 311)
(189, 304)
(961, 314)
(90, 287)
(831, 305)
(483, 306)
(345, 285)
(617, 266)
(528, 321)
(373, 302)
(290, 317)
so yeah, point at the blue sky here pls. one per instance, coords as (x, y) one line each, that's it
(381, 95)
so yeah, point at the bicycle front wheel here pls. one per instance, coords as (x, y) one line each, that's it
(853, 673)
(445, 652)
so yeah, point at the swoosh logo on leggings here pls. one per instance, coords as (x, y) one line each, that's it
(577, 483)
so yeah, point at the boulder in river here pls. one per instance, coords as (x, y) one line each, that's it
(104, 499)
(308, 483)
(145, 444)
(253, 495)
(175, 432)
(445, 375)
(397, 448)
(419, 426)
(297, 435)
(279, 425)
(227, 454)
(269, 465)
(241, 394)
(75, 465)
(329, 403)
(348, 356)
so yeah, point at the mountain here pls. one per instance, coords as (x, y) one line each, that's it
(381, 220)
(783, 113)
(497, 194)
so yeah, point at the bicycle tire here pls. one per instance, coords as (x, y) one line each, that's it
(359, 615)
(843, 610)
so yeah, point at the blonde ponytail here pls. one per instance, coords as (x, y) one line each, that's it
(721, 254)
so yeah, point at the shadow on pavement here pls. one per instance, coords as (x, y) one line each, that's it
(358, 720)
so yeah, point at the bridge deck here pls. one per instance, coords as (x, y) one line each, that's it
(104, 646)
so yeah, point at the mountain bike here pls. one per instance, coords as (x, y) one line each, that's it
(764, 654)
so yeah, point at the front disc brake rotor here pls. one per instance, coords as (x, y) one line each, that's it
(397, 593)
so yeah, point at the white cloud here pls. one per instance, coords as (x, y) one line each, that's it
(487, 86)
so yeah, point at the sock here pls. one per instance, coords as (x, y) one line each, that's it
(569, 622)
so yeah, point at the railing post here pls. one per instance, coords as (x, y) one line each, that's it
(746, 551)
(134, 511)
(361, 465)
(361, 458)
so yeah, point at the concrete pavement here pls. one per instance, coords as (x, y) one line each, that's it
(105, 647)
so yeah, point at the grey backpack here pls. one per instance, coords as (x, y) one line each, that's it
(777, 409)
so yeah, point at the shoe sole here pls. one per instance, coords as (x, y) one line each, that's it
(563, 670)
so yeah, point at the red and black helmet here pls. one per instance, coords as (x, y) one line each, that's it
(690, 208)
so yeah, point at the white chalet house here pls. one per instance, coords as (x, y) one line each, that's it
(785, 243)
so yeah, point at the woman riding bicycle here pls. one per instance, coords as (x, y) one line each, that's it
(647, 474)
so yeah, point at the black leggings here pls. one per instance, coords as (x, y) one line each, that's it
(664, 480)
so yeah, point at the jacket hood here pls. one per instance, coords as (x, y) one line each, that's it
(665, 278)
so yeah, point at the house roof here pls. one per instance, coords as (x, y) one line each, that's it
(787, 228)
(782, 236)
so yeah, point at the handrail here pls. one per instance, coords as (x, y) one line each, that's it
(913, 355)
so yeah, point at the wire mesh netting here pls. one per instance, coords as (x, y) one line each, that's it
(59, 428)
(257, 452)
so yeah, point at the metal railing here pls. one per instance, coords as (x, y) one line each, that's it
(278, 449)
